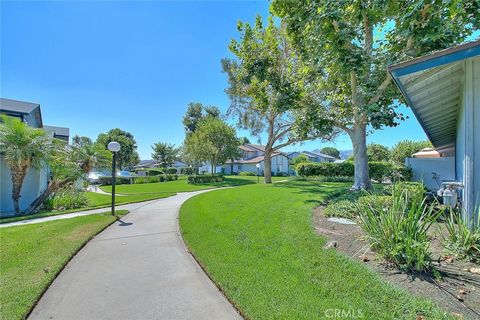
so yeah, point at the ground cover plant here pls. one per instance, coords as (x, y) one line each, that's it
(32, 255)
(258, 244)
(463, 237)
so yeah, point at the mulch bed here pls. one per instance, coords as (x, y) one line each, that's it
(458, 291)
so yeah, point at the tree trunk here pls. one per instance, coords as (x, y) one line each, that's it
(18, 175)
(359, 142)
(267, 166)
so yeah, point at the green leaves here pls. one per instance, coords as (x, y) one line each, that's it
(164, 153)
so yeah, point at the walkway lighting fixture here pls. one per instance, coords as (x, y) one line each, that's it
(114, 147)
(258, 172)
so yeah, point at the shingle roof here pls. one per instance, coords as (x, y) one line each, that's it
(318, 154)
(58, 131)
(17, 106)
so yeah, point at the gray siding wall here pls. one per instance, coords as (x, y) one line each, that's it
(35, 182)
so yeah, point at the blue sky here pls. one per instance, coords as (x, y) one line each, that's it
(94, 66)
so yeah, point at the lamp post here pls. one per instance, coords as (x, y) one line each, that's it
(114, 147)
(258, 172)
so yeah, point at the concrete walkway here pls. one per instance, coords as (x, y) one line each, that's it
(138, 268)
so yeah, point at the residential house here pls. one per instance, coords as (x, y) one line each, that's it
(36, 180)
(251, 156)
(443, 90)
(313, 156)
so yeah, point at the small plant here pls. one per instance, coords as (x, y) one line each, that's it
(463, 237)
(343, 209)
(379, 202)
(399, 233)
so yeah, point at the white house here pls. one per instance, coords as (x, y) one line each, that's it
(253, 154)
(36, 180)
(443, 90)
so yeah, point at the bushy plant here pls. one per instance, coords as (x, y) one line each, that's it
(378, 171)
(247, 173)
(106, 181)
(378, 202)
(187, 170)
(154, 172)
(171, 170)
(139, 180)
(399, 234)
(68, 198)
(171, 177)
(463, 237)
(414, 189)
(153, 179)
(204, 178)
(343, 208)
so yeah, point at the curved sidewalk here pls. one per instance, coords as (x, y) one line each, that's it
(137, 268)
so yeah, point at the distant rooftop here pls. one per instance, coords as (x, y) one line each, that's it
(58, 131)
(17, 106)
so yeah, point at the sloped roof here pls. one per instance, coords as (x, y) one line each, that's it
(58, 131)
(318, 154)
(17, 106)
(432, 86)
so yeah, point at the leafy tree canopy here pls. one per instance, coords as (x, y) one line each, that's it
(331, 151)
(213, 141)
(196, 112)
(164, 153)
(405, 149)
(377, 152)
(347, 46)
(300, 159)
(127, 156)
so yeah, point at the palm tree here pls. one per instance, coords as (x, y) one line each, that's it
(91, 155)
(23, 147)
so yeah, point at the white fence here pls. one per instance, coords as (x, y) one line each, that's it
(424, 170)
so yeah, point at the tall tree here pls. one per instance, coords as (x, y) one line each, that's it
(266, 89)
(164, 153)
(405, 149)
(90, 155)
(213, 141)
(331, 151)
(81, 140)
(349, 44)
(377, 152)
(195, 113)
(127, 156)
(23, 148)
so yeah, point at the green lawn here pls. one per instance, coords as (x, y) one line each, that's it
(257, 243)
(32, 255)
(181, 185)
(96, 200)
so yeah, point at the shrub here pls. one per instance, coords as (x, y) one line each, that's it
(106, 181)
(187, 170)
(463, 238)
(171, 177)
(139, 180)
(377, 170)
(154, 172)
(246, 173)
(153, 179)
(378, 202)
(399, 234)
(171, 171)
(343, 208)
(414, 189)
(68, 198)
(204, 178)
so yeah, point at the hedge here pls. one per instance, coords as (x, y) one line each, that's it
(171, 170)
(106, 181)
(187, 170)
(154, 179)
(247, 173)
(377, 170)
(204, 178)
